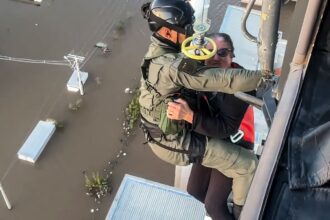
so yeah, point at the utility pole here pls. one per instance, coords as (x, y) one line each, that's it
(74, 61)
(5, 197)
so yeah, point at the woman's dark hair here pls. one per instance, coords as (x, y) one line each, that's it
(227, 39)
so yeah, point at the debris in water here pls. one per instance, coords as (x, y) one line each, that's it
(58, 124)
(98, 80)
(76, 105)
(103, 46)
(97, 186)
(78, 102)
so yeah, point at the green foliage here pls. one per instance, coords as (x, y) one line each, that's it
(96, 185)
(120, 26)
(57, 124)
(76, 105)
(133, 111)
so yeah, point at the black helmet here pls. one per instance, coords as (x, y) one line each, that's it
(177, 15)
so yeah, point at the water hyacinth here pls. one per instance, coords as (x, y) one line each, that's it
(97, 186)
(132, 112)
(57, 123)
(76, 105)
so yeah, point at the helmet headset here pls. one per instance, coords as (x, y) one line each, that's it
(177, 15)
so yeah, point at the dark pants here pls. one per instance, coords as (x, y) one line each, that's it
(211, 188)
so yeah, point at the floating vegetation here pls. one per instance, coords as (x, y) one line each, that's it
(55, 122)
(132, 113)
(98, 80)
(76, 105)
(120, 27)
(97, 186)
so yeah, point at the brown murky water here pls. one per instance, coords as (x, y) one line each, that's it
(53, 188)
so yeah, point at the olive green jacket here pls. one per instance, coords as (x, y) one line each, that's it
(166, 79)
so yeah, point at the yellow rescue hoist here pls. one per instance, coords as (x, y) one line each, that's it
(194, 47)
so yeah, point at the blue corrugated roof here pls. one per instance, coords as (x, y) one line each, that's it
(143, 199)
(36, 142)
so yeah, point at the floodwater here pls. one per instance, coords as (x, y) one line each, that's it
(53, 188)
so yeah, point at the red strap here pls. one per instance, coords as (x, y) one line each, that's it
(247, 125)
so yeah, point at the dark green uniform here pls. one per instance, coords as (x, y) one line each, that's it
(161, 64)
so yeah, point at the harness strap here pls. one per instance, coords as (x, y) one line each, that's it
(144, 70)
(151, 139)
